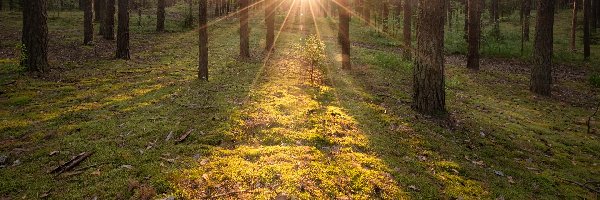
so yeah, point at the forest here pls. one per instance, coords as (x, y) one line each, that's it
(299, 99)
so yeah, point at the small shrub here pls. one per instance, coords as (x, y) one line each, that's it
(595, 80)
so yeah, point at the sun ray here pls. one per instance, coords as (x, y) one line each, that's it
(312, 13)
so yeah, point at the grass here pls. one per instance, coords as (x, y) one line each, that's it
(262, 129)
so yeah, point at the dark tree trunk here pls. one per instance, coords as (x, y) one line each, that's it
(123, 31)
(98, 10)
(526, 19)
(429, 96)
(203, 41)
(592, 15)
(160, 16)
(109, 20)
(35, 36)
(1, 2)
(597, 7)
(344, 32)
(574, 26)
(11, 4)
(474, 34)
(88, 25)
(270, 22)
(407, 30)
(541, 74)
(244, 30)
(586, 28)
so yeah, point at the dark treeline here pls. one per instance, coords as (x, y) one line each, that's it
(424, 20)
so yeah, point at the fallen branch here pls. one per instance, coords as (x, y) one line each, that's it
(589, 121)
(184, 136)
(71, 163)
(580, 185)
(228, 193)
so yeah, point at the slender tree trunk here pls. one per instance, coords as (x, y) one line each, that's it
(203, 40)
(429, 96)
(450, 14)
(593, 19)
(244, 30)
(407, 30)
(386, 13)
(100, 15)
(88, 25)
(160, 16)
(526, 19)
(109, 20)
(123, 31)
(344, 32)
(541, 74)
(270, 22)
(11, 4)
(1, 2)
(574, 26)
(586, 28)
(495, 18)
(97, 11)
(474, 34)
(35, 36)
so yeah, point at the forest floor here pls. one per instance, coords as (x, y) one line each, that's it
(263, 128)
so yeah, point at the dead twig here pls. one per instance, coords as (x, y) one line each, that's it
(589, 121)
(580, 185)
(228, 193)
(71, 163)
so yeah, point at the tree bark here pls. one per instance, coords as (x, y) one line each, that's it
(160, 16)
(344, 32)
(35, 36)
(244, 30)
(429, 96)
(1, 2)
(270, 22)
(407, 30)
(88, 25)
(203, 41)
(109, 20)
(474, 34)
(586, 28)
(574, 26)
(541, 74)
(526, 19)
(123, 31)
(97, 10)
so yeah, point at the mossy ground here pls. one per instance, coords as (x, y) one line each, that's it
(262, 128)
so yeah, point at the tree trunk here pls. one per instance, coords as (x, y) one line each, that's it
(11, 4)
(450, 14)
(429, 96)
(586, 28)
(1, 2)
(109, 20)
(574, 26)
(541, 74)
(100, 15)
(407, 30)
(344, 32)
(474, 34)
(88, 25)
(526, 19)
(123, 32)
(203, 41)
(97, 10)
(244, 30)
(592, 15)
(160, 16)
(495, 18)
(386, 13)
(35, 36)
(270, 22)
